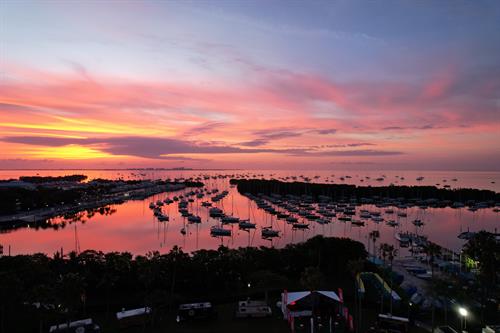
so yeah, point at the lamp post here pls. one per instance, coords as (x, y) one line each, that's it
(463, 314)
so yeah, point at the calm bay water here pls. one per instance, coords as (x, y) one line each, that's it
(132, 227)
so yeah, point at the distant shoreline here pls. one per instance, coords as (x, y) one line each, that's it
(245, 169)
(118, 169)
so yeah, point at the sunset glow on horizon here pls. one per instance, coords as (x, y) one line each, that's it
(244, 84)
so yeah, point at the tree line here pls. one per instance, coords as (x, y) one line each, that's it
(69, 286)
(346, 191)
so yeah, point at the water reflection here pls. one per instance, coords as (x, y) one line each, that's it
(133, 227)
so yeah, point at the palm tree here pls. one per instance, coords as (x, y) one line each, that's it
(312, 278)
(484, 248)
(388, 251)
(69, 289)
(384, 251)
(355, 267)
(374, 235)
(432, 251)
(116, 265)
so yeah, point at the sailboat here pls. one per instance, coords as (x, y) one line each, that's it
(216, 231)
(268, 232)
(246, 224)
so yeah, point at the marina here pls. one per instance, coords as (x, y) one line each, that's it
(249, 166)
(218, 213)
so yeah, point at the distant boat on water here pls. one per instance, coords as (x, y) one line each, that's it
(246, 224)
(300, 226)
(268, 232)
(219, 231)
(418, 223)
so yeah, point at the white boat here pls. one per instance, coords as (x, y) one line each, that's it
(268, 232)
(322, 221)
(246, 224)
(219, 231)
(300, 226)
(403, 237)
(215, 212)
(162, 217)
(357, 223)
(392, 223)
(418, 223)
(228, 219)
(194, 219)
(365, 215)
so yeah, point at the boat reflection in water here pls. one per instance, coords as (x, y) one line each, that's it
(219, 215)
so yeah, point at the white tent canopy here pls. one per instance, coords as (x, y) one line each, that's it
(297, 295)
(287, 298)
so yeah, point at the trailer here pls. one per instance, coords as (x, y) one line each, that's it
(83, 325)
(133, 317)
(196, 311)
(253, 309)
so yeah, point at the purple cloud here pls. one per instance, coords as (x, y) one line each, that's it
(160, 148)
(204, 128)
(156, 148)
(360, 152)
(399, 128)
(277, 134)
(360, 144)
(326, 131)
(363, 152)
(254, 143)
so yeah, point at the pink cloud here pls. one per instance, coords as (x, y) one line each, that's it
(235, 112)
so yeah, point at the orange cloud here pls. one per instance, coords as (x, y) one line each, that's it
(300, 109)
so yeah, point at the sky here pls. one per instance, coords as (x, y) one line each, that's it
(250, 84)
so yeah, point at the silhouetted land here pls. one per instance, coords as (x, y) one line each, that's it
(50, 179)
(434, 196)
(35, 193)
(108, 282)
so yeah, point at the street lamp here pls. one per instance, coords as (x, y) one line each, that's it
(463, 313)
